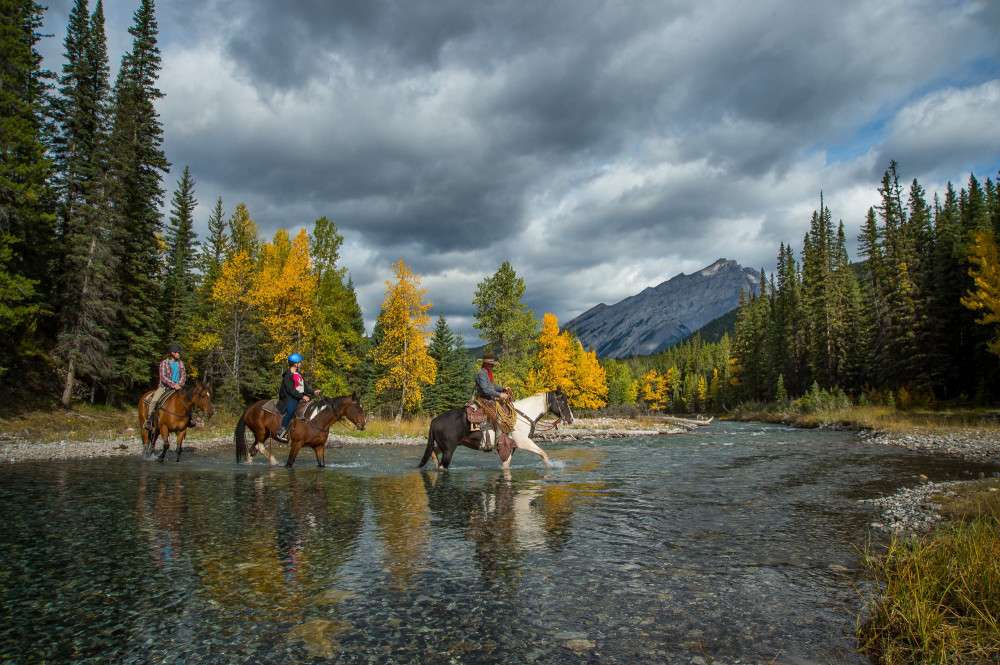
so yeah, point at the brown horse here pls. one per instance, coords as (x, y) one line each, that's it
(173, 415)
(321, 413)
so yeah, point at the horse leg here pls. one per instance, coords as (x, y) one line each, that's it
(166, 443)
(260, 435)
(522, 441)
(446, 454)
(320, 451)
(179, 440)
(296, 447)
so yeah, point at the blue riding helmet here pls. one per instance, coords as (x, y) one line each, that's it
(294, 358)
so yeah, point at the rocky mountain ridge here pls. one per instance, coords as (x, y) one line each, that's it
(662, 315)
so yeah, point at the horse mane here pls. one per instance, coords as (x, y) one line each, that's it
(189, 391)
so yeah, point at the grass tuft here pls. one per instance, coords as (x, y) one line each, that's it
(936, 598)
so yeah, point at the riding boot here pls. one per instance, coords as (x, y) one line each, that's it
(191, 423)
(280, 436)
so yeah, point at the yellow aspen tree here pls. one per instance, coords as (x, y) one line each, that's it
(652, 389)
(589, 382)
(701, 392)
(286, 288)
(985, 299)
(553, 362)
(403, 350)
(232, 334)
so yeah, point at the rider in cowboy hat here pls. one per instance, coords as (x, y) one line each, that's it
(485, 387)
(172, 377)
(293, 388)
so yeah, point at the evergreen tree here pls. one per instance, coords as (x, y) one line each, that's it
(453, 385)
(138, 164)
(180, 296)
(506, 324)
(26, 200)
(214, 249)
(340, 326)
(88, 232)
(788, 341)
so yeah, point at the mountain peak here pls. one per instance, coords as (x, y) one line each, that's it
(660, 316)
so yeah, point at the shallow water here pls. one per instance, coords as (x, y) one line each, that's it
(735, 544)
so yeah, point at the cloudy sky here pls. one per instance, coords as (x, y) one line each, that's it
(599, 146)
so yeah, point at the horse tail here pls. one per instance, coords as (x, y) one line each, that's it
(430, 446)
(240, 437)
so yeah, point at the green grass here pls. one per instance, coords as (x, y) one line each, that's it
(936, 598)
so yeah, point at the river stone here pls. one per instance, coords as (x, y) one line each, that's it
(579, 645)
(317, 636)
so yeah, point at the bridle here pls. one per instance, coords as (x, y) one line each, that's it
(536, 424)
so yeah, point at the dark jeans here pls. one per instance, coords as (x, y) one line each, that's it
(289, 412)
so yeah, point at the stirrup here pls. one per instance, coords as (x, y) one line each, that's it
(280, 438)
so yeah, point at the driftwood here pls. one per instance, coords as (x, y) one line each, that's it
(686, 423)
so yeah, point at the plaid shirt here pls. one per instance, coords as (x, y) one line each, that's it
(166, 374)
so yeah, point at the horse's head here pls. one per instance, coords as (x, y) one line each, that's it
(355, 412)
(348, 406)
(559, 406)
(203, 399)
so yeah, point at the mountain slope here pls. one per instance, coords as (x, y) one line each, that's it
(657, 317)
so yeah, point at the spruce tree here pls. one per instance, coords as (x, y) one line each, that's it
(453, 385)
(26, 200)
(138, 165)
(88, 233)
(179, 305)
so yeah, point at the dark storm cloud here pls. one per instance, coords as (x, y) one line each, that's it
(600, 147)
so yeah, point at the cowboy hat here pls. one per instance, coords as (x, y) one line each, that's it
(488, 359)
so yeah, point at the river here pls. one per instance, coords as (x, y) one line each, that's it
(736, 543)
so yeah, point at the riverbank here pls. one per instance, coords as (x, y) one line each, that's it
(16, 447)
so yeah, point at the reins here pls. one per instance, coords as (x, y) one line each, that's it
(190, 408)
(537, 424)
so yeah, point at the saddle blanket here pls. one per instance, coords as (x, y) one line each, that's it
(313, 407)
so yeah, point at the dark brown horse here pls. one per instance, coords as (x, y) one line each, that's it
(321, 412)
(173, 416)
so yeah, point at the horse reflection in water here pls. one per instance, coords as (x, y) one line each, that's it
(505, 517)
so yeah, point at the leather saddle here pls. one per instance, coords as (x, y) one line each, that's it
(271, 406)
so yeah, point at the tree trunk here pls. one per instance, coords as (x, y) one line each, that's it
(68, 386)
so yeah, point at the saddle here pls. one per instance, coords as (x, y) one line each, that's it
(500, 415)
(148, 398)
(271, 406)
(153, 416)
(489, 416)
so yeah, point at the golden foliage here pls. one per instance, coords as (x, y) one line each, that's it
(561, 363)
(286, 290)
(403, 350)
(985, 299)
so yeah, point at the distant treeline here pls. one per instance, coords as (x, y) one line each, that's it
(913, 320)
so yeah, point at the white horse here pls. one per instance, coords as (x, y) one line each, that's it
(451, 429)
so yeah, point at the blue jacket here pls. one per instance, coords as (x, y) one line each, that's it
(485, 387)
